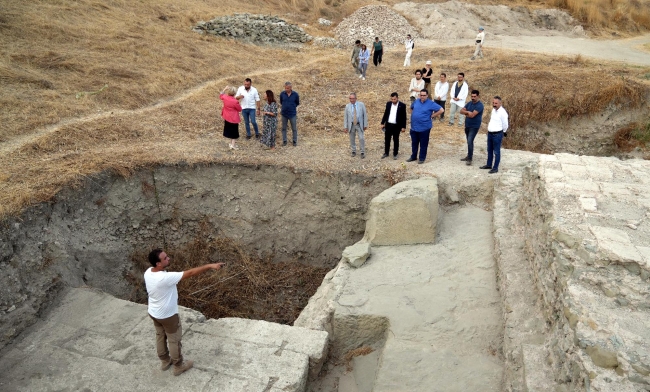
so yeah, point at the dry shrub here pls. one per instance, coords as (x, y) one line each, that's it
(357, 352)
(247, 287)
(632, 135)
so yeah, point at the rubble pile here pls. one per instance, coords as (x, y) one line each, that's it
(374, 21)
(263, 29)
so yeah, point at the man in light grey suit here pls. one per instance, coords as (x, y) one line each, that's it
(355, 122)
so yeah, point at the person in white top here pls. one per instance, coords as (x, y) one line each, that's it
(440, 93)
(250, 104)
(163, 308)
(480, 38)
(497, 130)
(409, 44)
(458, 94)
(417, 84)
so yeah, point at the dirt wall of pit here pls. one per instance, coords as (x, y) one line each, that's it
(88, 234)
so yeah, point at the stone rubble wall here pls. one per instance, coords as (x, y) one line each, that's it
(372, 21)
(587, 238)
(265, 29)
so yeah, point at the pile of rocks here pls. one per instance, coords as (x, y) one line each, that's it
(254, 28)
(374, 21)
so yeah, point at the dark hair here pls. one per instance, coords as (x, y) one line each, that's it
(443, 74)
(248, 80)
(416, 72)
(357, 42)
(364, 46)
(376, 37)
(154, 256)
(394, 95)
(497, 97)
(270, 97)
(424, 90)
(475, 92)
(461, 74)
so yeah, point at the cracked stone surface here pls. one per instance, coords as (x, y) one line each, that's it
(111, 347)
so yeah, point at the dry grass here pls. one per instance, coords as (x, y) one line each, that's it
(247, 287)
(188, 130)
(52, 53)
(632, 136)
(357, 352)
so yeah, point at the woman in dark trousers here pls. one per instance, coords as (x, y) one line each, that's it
(377, 51)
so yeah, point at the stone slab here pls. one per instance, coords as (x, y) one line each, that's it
(101, 343)
(406, 213)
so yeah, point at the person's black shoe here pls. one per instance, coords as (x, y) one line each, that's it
(363, 155)
(410, 159)
(284, 143)
(257, 136)
(384, 156)
(420, 162)
(394, 157)
(485, 167)
(468, 162)
(465, 159)
(493, 171)
(295, 144)
(354, 153)
(248, 137)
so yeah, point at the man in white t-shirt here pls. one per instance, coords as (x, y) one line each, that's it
(250, 104)
(163, 308)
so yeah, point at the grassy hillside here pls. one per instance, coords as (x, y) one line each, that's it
(146, 88)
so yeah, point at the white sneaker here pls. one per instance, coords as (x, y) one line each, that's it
(360, 76)
(363, 78)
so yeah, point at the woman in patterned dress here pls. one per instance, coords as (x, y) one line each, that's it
(270, 122)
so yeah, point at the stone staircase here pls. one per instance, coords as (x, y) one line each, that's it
(110, 346)
(526, 367)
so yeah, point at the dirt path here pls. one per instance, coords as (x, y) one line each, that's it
(17, 142)
(626, 50)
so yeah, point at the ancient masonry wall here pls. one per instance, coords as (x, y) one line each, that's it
(587, 238)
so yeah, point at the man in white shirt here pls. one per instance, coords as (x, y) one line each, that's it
(417, 84)
(355, 121)
(458, 94)
(409, 44)
(480, 37)
(497, 130)
(250, 104)
(440, 93)
(163, 308)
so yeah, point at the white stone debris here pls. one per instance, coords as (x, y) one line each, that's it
(372, 21)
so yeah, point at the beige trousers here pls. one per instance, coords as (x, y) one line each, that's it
(169, 331)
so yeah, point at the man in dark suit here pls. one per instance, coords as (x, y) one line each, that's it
(393, 122)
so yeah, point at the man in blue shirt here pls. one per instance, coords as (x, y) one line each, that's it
(422, 111)
(473, 112)
(289, 100)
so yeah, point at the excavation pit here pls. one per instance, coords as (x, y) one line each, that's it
(88, 235)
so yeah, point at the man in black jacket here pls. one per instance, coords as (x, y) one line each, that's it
(393, 122)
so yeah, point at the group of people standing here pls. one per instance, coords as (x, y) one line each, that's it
(361, 56)
(246, 100)
(425, 107)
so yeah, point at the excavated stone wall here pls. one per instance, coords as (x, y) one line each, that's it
(86, 236)
(587, 237)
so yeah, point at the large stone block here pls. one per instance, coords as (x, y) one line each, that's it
(404, 214)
